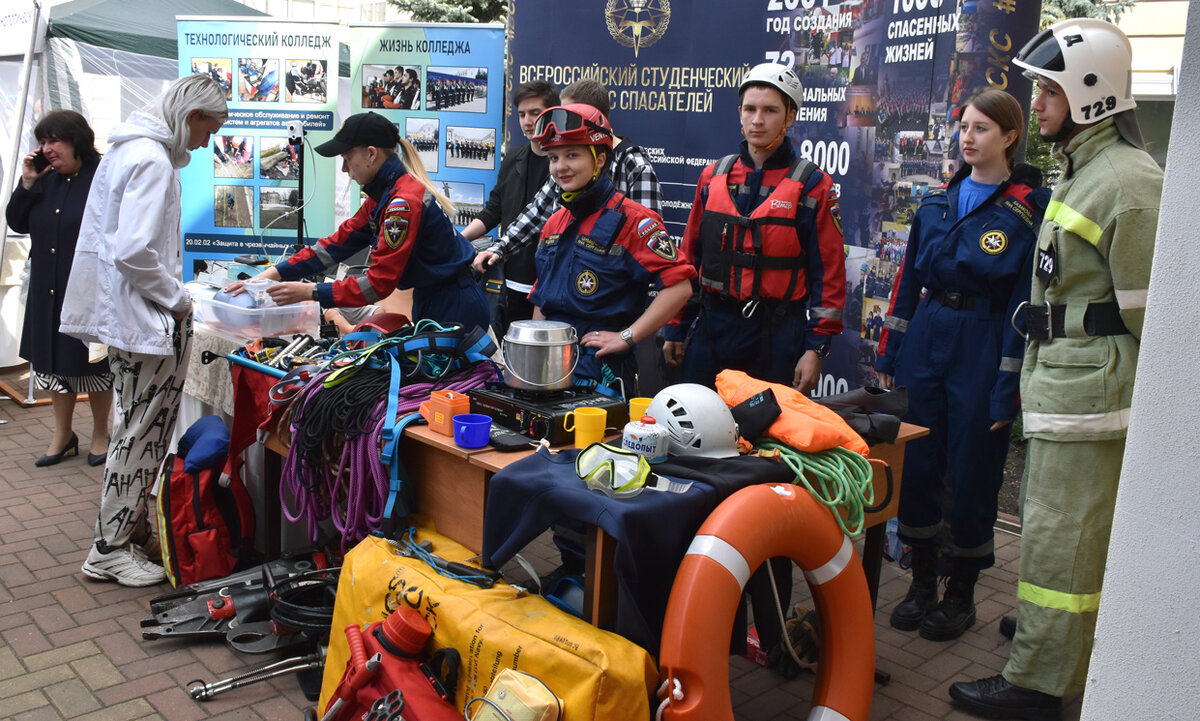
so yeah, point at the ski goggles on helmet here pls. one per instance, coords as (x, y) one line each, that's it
(612, 471)
(562, 126)
(563, 121)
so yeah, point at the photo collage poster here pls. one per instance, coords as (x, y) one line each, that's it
(443, 86)
(881, 79)
(242, 192)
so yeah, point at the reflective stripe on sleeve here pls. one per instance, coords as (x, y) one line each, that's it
(368, 292)
(1010, 365)
(1074, 221)
(894, 323)
(1076, 422)
(1058, 600)
(1131, 299)
(323, 255)
(819, 312)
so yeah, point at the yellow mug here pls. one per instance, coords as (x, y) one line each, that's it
(588, 425)
(637, 408)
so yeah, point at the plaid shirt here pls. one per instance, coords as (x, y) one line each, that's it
(633, 175)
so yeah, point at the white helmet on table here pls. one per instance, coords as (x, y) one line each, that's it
(698, 421)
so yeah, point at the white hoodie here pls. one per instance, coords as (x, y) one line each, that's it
(125, 284)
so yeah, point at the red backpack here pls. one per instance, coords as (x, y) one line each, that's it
(205, 515)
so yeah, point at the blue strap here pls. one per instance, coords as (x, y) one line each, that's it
(391, 427)
(398, 473)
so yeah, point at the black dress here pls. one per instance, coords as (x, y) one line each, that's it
(51, 212)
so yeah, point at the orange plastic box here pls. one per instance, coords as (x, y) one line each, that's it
(441, 407)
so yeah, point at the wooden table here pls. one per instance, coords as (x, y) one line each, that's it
(449, 482)
(600, 587)
(450, 487)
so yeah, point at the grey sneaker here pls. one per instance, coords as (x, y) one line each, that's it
(127, 566)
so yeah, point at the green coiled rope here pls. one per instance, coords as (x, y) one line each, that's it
(842, 478)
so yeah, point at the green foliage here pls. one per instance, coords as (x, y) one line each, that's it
(1038, 153)
(454, 11)
(1110, 10)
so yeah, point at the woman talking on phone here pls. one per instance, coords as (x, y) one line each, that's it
(48, 204)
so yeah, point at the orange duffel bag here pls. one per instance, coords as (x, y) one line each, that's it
(804, 424)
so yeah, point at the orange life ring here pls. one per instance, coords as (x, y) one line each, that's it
(752, 525)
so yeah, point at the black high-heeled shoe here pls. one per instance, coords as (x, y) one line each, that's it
(50, 459)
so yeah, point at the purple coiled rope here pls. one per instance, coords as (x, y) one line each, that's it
(360, 479)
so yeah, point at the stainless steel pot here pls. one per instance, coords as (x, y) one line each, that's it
(540, 355)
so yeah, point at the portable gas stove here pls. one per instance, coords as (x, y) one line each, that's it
(541, 414)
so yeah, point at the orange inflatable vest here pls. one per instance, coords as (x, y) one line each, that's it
(752, 525)
(804, 424)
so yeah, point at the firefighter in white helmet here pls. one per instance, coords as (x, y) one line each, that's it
(1083, 323)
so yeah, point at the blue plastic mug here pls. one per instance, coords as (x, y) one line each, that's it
(472, 430)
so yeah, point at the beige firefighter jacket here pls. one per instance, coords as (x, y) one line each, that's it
(1098, 241)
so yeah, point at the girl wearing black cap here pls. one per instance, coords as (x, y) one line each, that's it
(406, 223)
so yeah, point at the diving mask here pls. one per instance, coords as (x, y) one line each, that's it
(612, 471)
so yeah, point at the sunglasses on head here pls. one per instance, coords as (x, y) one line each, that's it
(565, 120)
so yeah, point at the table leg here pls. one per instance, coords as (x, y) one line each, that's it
(599, 581)
(872, 559)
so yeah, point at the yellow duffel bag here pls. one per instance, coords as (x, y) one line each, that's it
(597, 674)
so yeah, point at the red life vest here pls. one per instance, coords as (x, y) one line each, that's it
(759, 256)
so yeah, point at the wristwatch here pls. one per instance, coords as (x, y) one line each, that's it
(823, 349)
(627, 336)
(316, 293)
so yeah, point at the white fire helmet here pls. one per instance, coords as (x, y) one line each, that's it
(1090, 59)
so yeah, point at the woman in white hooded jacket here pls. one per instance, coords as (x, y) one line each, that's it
(126, 291)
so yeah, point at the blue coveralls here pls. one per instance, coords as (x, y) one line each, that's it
(957, 353)
(596, 260)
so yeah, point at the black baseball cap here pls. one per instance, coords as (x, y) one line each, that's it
(361, 129)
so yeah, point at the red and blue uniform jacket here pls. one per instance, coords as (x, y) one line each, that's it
(595, 272)
(789, 220)
(413, 243)
(986, 255)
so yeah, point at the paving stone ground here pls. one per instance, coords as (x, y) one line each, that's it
(71, 648)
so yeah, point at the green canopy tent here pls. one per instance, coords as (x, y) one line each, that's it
(146, 28)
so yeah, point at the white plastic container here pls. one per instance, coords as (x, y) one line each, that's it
(251, 323)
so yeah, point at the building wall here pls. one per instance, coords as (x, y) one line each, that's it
(1144, 663)
(1155, 30)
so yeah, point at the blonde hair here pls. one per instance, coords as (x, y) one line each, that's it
(194, 92)
(412, 161)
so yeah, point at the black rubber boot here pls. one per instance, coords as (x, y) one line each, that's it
(922, 594)
(956, 613)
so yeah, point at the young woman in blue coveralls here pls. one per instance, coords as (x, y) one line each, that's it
(406, 223)
(971, 247)
(598, 254)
